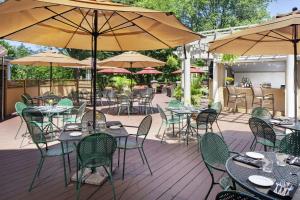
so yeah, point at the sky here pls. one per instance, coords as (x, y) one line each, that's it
(276, 7)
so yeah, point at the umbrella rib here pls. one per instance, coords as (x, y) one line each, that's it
(147, 32)
(280, 35)
(107, 21)
(31, 25)
(111, 30)
(128, 21)
(76, 29)
(272, 36)
(256, 43)
(85, 18)
(224, 44)
(74, 24)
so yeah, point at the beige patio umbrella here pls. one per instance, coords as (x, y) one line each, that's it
(278, 36)
(91, 24)
(50, 59)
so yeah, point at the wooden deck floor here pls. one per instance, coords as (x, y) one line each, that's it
(178, 170)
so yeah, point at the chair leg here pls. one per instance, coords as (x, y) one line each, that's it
(36, 173)
(111, 180)
(219, 129)
(19, 128)
(69, 163)
(119, 157)
(162, 138)
(146, 160)
(211, 186)
(65, 171)
(141, 156)
(124, 160)
(40, 169)
(159, 128)
(79, 183)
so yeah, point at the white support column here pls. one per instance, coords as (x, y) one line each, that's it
(182, 74)
(8, 72)
(289, 87)
(216, 95)
(187, 76)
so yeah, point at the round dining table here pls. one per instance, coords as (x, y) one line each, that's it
(240, 172)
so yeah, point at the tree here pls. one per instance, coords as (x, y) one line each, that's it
(202, 15)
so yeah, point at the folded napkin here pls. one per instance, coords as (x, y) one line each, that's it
(247, 160)
(283, 189)
(292, 160)
(113, 123)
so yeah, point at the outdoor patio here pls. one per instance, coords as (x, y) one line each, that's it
(178, 170)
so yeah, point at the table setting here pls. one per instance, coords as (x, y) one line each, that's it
(269, 175)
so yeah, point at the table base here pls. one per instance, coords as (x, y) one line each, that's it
(97, 178)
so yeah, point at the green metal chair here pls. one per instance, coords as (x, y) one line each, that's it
(215, 153)
(65, 102)
(137, 143)
(39, 138)
(263, 133)
(94, 151)
(204, 121)
(78, 113)
(167, 121)
(290, 144)
(34, 115)
(234, 195)
(262, 113)
(19, 106)
(217, 106)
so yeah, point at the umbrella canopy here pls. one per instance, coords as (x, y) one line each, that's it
(48, 58)
(91, 24)
(132, 59)
(194, 70)
(278, 36)
(149, 70)
(114, 70)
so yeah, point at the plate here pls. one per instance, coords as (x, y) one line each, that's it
(75, 134)
(261, 180)
(255, 155)
(114, 127)
(275, 121)
(72, 126)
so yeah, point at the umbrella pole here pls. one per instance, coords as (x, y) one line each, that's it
(131, 75)
(95, 35)
(51, 70)
(295, 42)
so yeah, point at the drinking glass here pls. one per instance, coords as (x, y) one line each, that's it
(268, 166)
(280, 159)
(84, 126)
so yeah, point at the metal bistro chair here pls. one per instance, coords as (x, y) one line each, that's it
(290, 144)
(65, 102)
(234, 97)
(263, 134)
(88, 117)
(93, 151)
(19, 106)
(217, 106)
(262, 98)
(38, 137)
(145, 103)
(204, 121)
(137, 143)
(234, 195)
(215, 153)
(78, 114)
(123, 104)
(167, 121)
(27, 99)
(262, 113)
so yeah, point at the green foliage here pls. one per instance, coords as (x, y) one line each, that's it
(178, 92)
(121, 83)
(229, 80)
(199, 62)
(229, 58)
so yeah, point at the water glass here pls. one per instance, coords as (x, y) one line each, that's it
(281, 158)
(268, 166)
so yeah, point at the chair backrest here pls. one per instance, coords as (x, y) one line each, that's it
(175, 103)
(262, 113)
(123, 99)
(26, 99)
(65, 102)
(32, 115)
(217, 106)
(261, 129)
(234, 195)
(231, 90)
(80, 111)
(145, 126)
(214, 150)
(207, 116)
(88, 117)
(290, 144)
(19, 106)
(96, 149)
(54, 98)
(257, 91)
(162, 113)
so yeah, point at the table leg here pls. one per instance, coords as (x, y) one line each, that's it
(64, 163)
